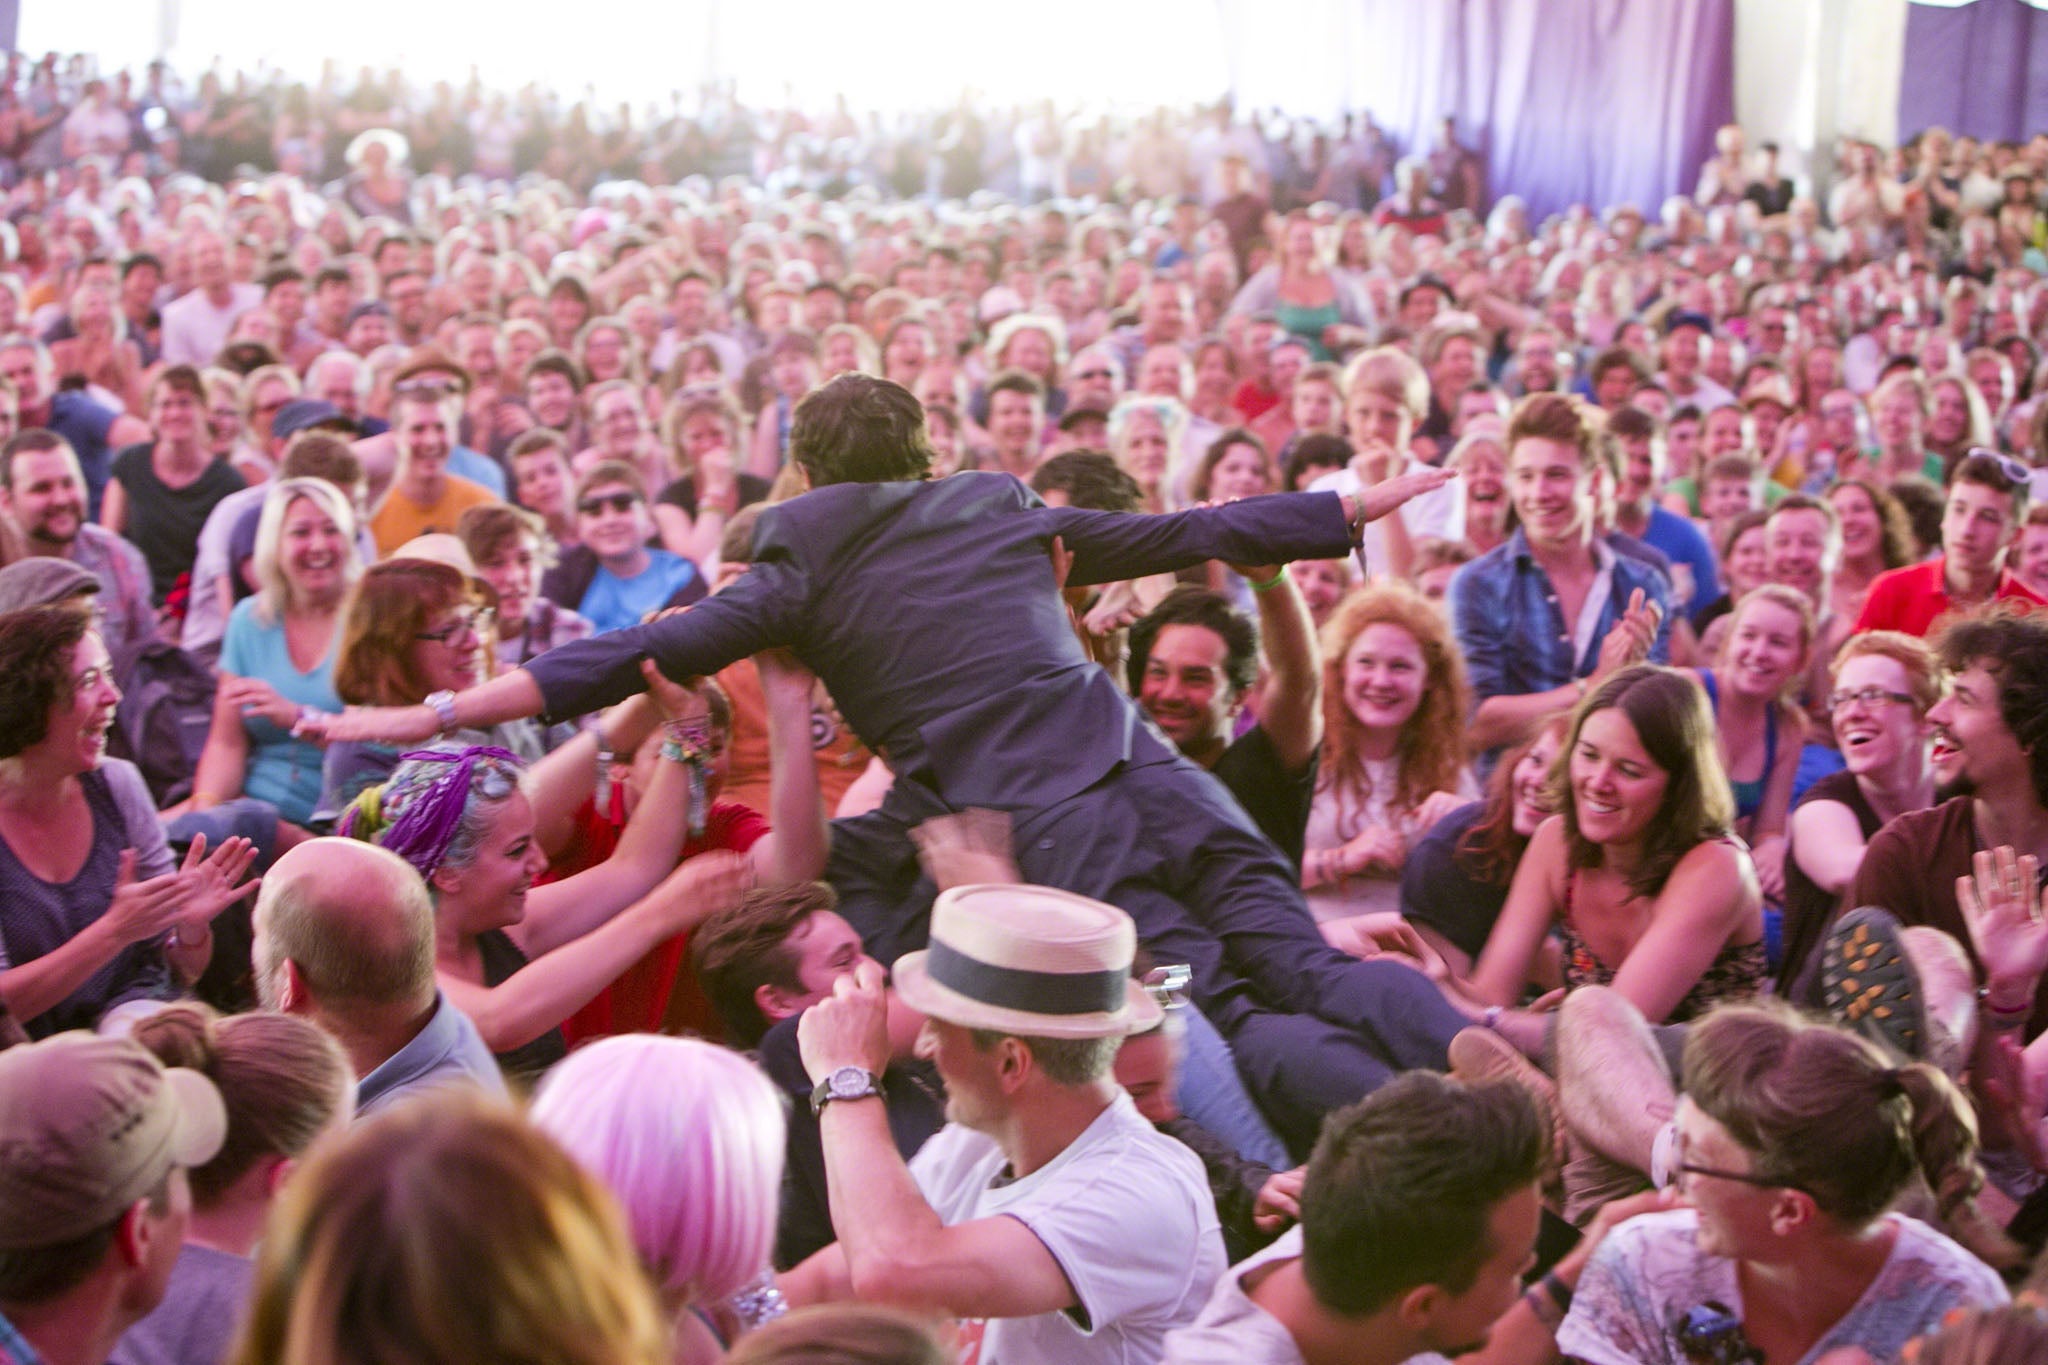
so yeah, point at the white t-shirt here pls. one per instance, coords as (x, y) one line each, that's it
(1127, 1213)
(1235, 1331)
(1439, 512)
(1650, 1270)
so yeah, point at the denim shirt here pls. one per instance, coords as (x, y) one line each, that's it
(1513, 632)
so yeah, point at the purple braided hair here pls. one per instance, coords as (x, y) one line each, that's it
(423, 830)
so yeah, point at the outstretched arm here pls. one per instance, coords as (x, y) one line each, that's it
(1274, 529)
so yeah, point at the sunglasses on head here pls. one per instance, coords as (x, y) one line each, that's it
(607, 502)
(2015, 471)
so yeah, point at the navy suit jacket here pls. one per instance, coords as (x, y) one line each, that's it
(931, 613)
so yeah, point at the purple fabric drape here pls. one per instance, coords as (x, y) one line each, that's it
(1569, 101)
(1980, 68)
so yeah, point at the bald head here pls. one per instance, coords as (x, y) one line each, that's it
(356, 924)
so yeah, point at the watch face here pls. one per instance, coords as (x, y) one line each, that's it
(847, 1082)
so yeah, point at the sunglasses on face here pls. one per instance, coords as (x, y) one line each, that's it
(607, 502)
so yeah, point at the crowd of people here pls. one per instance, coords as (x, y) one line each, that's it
(1033, 744)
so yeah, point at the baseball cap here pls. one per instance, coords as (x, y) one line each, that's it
(1686, 317)
(41, 581)
(301, 413)
(89, 1125)
(372, 308)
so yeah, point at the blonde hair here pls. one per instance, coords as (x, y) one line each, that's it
(448, 1229)
(274, 593)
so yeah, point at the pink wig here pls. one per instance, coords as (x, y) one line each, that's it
(690, 1139)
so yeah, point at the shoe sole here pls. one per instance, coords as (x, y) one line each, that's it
(1869, 984)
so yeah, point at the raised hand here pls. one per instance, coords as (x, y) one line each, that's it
(703, 886)
(849, 1027)
(210, 884)
(971, 848)
(2001, 904)
(1383, 497)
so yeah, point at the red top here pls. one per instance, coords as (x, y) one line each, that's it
(659, 987)
(1912, 598)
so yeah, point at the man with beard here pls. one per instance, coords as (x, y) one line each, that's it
(88, 427)
(42, 489)
(1990, 763)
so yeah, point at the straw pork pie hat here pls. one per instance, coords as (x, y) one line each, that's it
(1029, 961)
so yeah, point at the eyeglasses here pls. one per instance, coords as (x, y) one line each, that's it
(1095, 374)
(613, 502)
(470, 623)
(1668, 1166)
(1868, 697)
(436, 387)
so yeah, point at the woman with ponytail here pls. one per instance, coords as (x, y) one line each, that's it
(1790, 1146)
(284, 1083)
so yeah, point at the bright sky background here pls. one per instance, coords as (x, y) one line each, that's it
(885, 54)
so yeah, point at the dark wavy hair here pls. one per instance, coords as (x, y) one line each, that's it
(35, 671)
(860, 429)
(1675, 726)
(2013, 647)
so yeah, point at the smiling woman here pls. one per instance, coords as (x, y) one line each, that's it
(92, 910)
(1638, 872)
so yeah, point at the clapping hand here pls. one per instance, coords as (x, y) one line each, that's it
(209, 885)
(1630, 640)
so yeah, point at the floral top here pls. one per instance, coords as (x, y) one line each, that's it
(1736, 973)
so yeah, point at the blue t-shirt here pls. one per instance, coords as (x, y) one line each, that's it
(84, 421)
(1682, 543)
(613, 603)
(465, 463)
(281, 770)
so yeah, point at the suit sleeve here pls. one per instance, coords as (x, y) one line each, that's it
(758, 611)
(1275, 529)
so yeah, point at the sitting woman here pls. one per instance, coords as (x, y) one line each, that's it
(1790, 1146)
(690, 1138)
(411, 631)
(1394, 705)
(1457, 877)
(1877, 537)
(93, 913)
(1745, 565)
(1764, 661)
(701, 429)
(284, 1083)
(519, 958)
(1639, 872)
(277, 658)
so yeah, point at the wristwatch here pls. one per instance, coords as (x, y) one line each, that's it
(846, 1083)
(443, 703)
